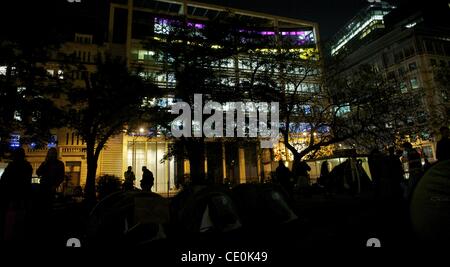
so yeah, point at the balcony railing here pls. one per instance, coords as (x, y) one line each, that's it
(70, 150)
(63, 150)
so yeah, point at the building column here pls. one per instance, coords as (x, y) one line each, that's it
(242, 178)
(183, 10)
(125, 154)
(167, 165)
(187, 168)
(224, 163)
(258, 164)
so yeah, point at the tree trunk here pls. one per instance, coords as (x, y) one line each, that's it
(196, 155)
(91, 173)
(290, 147)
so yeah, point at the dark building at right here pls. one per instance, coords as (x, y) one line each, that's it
(408, 43)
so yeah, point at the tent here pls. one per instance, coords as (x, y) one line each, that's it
(204, 209)
(430, 205)
(349, 177)
(263, 204)
(128, 218)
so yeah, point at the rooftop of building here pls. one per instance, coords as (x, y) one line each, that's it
(356, 28)
(199, 10)
(430, 17)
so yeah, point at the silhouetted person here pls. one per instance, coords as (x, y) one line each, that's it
(51, 173)
(129, 179)
(15, 189)
(395, 172)
(300, 171)
(443, 146)
(147, 180)
(426, 165)
(325, 178)
(324, 173)
(377, 167)
(414, 167)
(284, 177)
(15, 184)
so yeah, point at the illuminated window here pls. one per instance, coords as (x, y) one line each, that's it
(309, 87)
(162, 26)
(342, 110)
(403, 87)
(3, 70)
(165, 102)
(171, 78)
(290, 88)
(414, 83)
(14, 141)
(161, 78)
(244, 64)
(17, 116)
(142, 54)
(306, 109)
(227, 63)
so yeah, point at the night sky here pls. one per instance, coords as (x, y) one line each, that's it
(330, 14)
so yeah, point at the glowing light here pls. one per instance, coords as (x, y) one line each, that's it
(346, 39)
(411, 25)
(3, 70)
(141, 130)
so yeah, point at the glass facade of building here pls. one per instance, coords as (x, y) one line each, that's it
(368, 20)
(151, 154)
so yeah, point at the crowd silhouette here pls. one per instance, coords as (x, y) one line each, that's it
(397, 178)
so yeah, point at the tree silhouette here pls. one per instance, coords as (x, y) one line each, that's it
(27, 90)
(111, 100)
(195, 56)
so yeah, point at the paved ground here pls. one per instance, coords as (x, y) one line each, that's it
(340, 221)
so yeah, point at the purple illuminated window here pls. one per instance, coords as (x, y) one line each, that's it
(196, 25)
